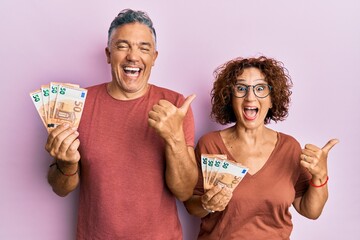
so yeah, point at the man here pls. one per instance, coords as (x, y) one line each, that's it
(133, 151)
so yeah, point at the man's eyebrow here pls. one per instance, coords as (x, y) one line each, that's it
(121, 41)
(145, 43)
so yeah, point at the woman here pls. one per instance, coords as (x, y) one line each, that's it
(250, 93)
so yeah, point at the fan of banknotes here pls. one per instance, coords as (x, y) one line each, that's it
(217, 170)
(59, 103)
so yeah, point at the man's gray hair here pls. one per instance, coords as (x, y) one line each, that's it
(130, 16)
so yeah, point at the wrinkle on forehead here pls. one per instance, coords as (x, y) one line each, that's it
(119, 41)
(139, 28)
(241, 80)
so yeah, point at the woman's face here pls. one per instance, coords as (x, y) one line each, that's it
(251, 110)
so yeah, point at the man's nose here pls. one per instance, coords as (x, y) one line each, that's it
(133, 55)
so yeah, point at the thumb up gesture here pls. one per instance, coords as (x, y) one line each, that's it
(315, 159)
(167, 119)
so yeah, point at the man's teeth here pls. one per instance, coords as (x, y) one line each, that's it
(132, 70)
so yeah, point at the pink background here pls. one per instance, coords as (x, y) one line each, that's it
(43, 41)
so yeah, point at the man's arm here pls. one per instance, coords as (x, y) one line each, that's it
(62, 144)
(181, 169)
(63, 178)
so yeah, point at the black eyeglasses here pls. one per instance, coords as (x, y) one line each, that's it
(261, 90)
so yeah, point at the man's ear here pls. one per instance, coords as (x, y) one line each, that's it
(155, 57)
(107, 52)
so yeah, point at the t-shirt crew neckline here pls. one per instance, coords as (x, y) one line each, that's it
(270, 159)
(105, 88)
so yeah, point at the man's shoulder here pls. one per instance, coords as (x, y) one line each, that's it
(166, 93)
(95, 87)
(159, 89)
(95, 90)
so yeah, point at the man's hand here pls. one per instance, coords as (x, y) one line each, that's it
(63, 143)
(167, 119)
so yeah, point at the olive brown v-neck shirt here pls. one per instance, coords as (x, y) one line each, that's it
(259, 208)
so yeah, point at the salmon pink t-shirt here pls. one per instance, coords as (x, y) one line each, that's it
(123, 194)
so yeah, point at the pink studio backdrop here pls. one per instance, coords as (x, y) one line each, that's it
(43, 41)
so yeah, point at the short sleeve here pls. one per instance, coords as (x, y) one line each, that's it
(302, 183)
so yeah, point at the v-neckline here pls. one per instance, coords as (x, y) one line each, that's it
(231, 157)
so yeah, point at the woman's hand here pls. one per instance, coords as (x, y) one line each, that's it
(315, 160)
(216, 199)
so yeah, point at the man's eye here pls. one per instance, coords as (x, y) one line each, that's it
(144, 49)
(121, 47)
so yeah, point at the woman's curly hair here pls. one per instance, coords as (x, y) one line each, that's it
(276, 75)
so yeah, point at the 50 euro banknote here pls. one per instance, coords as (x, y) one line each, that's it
(37, 99)
(53, 93)
(218, 170)
(65, 106)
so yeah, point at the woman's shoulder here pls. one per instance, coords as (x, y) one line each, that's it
(210, 137)
(211, 134)
(288, 139)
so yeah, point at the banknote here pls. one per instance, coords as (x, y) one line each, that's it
(204, 161)
(218, 170)
(59, 103)
(45, 92)
(69, 105)
(230, 174)
(53, 91)
(36, 97)
(209, 163)
(218, 161)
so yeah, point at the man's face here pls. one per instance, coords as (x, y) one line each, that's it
(131, 53)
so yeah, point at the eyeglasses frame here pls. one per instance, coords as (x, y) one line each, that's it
(253, 88)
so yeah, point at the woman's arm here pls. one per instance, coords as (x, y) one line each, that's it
(314, 159)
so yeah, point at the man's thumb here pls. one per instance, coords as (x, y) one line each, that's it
(187, 103)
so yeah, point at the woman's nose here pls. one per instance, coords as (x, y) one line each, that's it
(250, 93)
